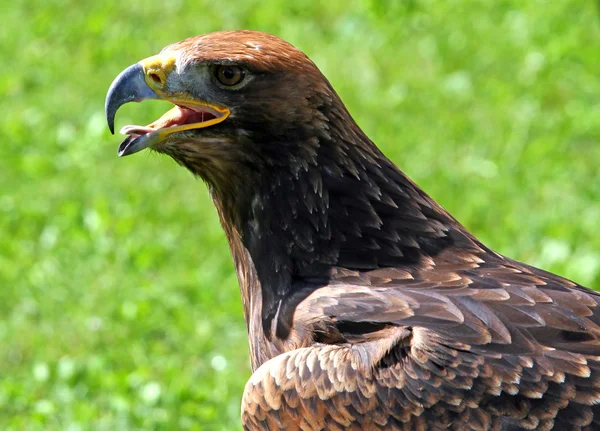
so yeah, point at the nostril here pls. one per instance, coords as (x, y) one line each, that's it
(156, 78)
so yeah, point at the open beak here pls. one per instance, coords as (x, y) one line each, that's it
(147, 80)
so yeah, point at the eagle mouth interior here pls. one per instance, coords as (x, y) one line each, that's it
(179, 115)
(179, 118)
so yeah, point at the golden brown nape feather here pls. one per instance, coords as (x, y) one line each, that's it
(368, 306)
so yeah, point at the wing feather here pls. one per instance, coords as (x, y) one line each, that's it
(490, 345)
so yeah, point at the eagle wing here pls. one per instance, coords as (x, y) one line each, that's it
(468, 342)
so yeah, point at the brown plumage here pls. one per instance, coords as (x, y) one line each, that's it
(368, 306)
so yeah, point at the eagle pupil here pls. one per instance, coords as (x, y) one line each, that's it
(228, 73)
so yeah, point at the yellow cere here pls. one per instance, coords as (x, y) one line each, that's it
(156, 70)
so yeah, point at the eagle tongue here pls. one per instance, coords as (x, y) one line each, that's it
(136, 130)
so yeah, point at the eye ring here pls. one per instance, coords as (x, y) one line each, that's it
(229, 75)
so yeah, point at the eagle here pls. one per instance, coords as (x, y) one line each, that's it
(368, 306)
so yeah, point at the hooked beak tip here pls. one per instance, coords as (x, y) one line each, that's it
(129, 86)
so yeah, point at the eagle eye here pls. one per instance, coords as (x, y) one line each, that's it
(229, 75)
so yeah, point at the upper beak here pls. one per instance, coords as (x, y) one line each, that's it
(129, 86)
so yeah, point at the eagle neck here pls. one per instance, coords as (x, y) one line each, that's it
(344, 206)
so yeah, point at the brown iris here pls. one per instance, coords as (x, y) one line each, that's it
(229, 75)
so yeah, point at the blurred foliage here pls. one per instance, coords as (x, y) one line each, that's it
(119, 307)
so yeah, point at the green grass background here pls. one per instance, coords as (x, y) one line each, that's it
(119, 307)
